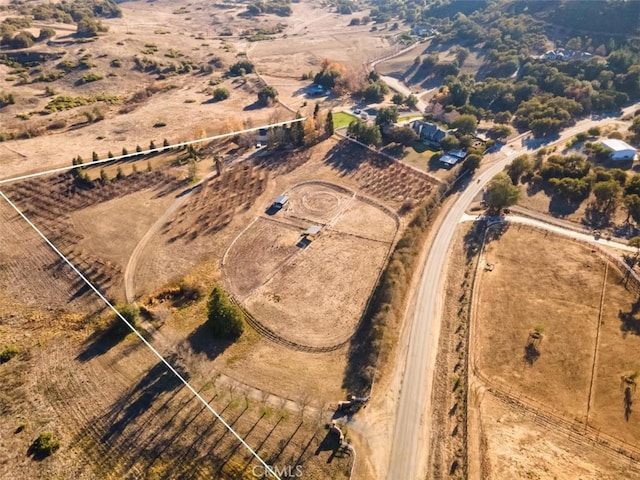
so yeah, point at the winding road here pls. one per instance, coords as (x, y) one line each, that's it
(410, 442)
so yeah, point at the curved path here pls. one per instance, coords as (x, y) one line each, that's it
(132, 264)
(549, 226)
(410, 442)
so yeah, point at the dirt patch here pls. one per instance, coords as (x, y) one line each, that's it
(272, 242)
(318, 298)
(516, 446)
(123, 221)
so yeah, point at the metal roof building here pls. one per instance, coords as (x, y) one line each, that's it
(619, 150)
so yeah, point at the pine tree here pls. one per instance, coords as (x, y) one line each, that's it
(224, 318)
(328, 126)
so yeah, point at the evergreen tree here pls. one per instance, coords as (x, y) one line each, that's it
(225, 319)
(328, 125)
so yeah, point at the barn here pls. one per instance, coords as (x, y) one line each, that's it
(619, 150)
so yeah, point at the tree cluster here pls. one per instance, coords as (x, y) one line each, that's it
(282, 8)
(541, 93)
(241, 68)
(267, 95)
(365, 133)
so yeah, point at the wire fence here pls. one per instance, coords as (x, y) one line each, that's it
(577, 429)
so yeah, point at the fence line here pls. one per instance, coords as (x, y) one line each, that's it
(576, 429)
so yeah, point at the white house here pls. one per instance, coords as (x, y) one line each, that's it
(619, 150)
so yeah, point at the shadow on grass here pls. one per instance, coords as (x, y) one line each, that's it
(331, 443)
(130, 407)
(103, 340)
(531, 353)
(628, 402)
(202, 340)
(629, 322)
(479, 231)
(596, 218)
(346, 157)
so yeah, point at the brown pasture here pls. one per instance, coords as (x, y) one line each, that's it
(556, 286)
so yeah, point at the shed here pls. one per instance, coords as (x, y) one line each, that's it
(312, 231)
(280, 201)
(619, 150)
(458, 153)
(449, 160)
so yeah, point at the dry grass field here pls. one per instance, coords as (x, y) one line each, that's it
(109, 402)
(135, 106)
(556, 329)
(114, 408)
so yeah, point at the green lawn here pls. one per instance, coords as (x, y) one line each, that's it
(418, 160)
(407, 118)
(342, 119)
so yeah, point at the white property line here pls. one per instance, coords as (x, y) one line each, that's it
(152, 150)
(268, 468)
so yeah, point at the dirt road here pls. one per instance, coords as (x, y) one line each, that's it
(410, 443)
(567, 232)
(400, 87)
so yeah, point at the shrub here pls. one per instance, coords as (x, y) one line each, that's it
(267, 95)
(22, 40)
(225, 319)
(220, 94)
(8, 353)
(44, 445)
(594, 131)
(241, 68)
(90, 77)
(46, 33)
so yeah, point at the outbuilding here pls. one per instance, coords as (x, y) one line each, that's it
(312, 232)
(619, 150)
(280, 202)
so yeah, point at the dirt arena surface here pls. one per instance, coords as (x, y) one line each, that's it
(312, 290)
(318, 298)
(571, 374)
